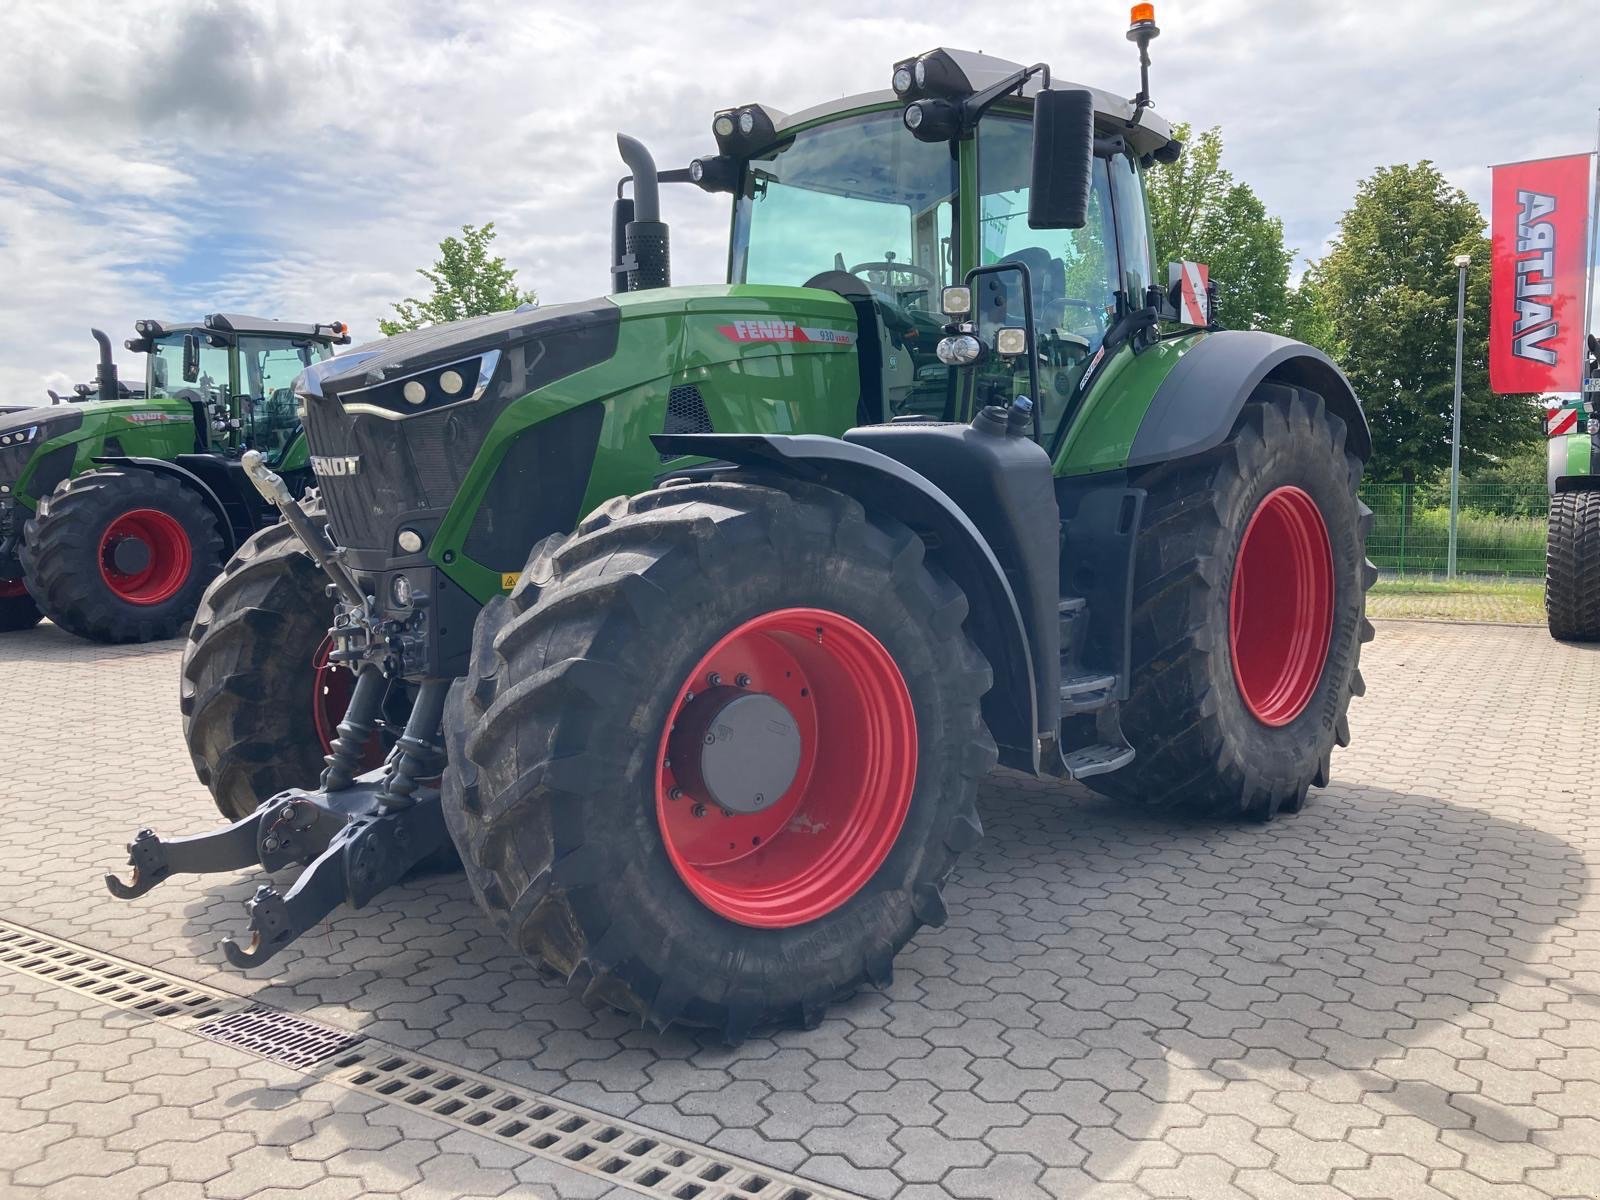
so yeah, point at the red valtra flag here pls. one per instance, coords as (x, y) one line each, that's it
(1540, 228)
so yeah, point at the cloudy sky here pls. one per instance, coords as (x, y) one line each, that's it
(176, 157)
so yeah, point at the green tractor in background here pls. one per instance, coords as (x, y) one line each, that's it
(692, 617)
(117, 511)
(1572, 548)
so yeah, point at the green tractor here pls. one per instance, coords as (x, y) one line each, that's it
(116, 512)
(692, 617)
(1572, 549)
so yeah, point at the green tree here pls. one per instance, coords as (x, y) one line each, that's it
(466, 283)
(1202, 214)
(1383, 303)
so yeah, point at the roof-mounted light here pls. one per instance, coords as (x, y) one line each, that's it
(933, 120)
(742, 131)
(719, 173)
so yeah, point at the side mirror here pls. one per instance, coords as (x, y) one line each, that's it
(1063, 159)
(191, 358)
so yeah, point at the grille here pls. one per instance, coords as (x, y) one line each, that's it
(686, 413)
(631, 1155)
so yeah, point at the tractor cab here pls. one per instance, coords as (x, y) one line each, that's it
(236, 374)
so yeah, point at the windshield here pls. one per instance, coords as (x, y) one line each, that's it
(859, 195)
(164, 371)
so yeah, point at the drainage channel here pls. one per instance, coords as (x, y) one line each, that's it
(579, 1138)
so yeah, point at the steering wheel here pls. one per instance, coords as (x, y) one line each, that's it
(891, 266)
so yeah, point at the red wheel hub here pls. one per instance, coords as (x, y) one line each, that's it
(145, 556)
(331, 689)
(10, 589)
(1280, 607)
(784, 860)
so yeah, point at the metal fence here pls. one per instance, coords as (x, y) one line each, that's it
(1500, 530)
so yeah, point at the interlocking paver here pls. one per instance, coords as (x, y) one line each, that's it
(1391, 994)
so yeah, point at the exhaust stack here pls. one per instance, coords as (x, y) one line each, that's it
(643, 260)
(105, 375)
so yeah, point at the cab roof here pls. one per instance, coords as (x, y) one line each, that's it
(238, 323)
(1113, 113)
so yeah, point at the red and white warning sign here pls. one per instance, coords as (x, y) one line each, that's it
(785, 331)
(1186, 285)
(1558, 421)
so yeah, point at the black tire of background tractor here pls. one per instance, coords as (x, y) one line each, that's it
(17, 611)
(1200, 750)
(552, 742)
(1572, 567)
(61, 548)
(247, 678)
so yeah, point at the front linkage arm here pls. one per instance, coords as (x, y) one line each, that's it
(357, 833)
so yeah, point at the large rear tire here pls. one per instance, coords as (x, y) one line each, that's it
(587, 838)
(1572, 567)
(251, 690)
(17, 609)
(1249, 612)
(119, 555)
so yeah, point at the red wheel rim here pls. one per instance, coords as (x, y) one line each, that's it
(1280, 608)
(331, 689)
(822, 840)
(10, 589)
(167, 553)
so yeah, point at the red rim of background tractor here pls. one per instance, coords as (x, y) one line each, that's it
(171, 556)
(331, 689)
(817, 845)
(11, 589)
(1280, 606)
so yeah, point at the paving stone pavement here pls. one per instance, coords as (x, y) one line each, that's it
(1394, 994)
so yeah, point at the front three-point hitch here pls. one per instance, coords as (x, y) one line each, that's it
(356, 833)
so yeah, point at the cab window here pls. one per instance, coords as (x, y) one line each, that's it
(268, 367)
(1073, 273)
(1133, 225)
(164, 371)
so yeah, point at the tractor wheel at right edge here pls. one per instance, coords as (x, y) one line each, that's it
(1249, 611)
(1572, 567)
(716, 754)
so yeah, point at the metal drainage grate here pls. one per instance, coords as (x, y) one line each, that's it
(110, 981)
(633, 1156)
(278, 1036)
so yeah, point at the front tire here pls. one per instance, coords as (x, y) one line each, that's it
(572, 798)
(1572, 567)
(119, 555)
(1249, 612)
(250, 689)
(17, 609)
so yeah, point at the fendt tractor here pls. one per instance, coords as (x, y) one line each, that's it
(1572, 550)
(692, 617)
(116, 512)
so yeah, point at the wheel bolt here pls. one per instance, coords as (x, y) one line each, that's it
(699, 810)
(675, 793)
(714, 679)
(742, 680)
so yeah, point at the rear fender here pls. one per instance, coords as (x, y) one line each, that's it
(883, 484)
(1196, 405)
(1573, 462)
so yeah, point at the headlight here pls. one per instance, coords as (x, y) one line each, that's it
(425, 391)
(902, 80)
(960, 350)
(400, 591)
(18, 436)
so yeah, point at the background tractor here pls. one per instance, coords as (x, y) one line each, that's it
(115, 513)
(943, 475)
(1572, 549)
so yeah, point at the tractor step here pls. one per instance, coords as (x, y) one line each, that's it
(354, 843)
(1084, 693)
(1096, 760)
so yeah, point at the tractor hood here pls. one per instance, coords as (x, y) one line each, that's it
(58, 418)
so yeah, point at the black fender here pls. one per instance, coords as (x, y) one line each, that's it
(230, 532)
(1197, 403)
(886, 485)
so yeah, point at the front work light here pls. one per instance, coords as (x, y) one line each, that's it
(957, 301)
(933, 120)
(719, 173)
(960, 350)
(1008, 343)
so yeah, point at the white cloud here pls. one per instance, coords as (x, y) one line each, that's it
(300, 160)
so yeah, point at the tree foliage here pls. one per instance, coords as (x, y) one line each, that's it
(466, 281)
(1382, 302)
(1201, 213)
